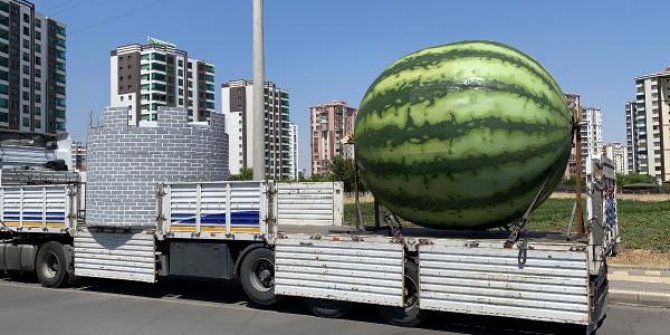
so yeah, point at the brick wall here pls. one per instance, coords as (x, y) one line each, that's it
(126, 162)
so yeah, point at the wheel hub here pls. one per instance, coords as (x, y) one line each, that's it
(51, 265)
(264, 274)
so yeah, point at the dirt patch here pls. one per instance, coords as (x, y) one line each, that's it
(363, 199)
(642, 258)
(622, 196)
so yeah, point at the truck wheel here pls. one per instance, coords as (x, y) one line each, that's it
(408, 315)
(329, 308)
(51, 265)
(257, 275)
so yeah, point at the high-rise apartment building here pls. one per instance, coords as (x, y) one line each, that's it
(632, 128)
(32, 70)
(146, 77)
(78, 152)
(619, 156)
(592, 134)
(329, 123)
(237, 105)
(648, 126)
(293, 149)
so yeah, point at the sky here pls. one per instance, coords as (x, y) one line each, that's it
(321, 50)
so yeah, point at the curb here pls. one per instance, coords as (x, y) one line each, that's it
(639, 271)
(651, 299)
(639, 286)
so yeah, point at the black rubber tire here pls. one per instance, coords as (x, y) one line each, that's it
(329, 308)
(257, 276)
(51, 265)
(407, 316)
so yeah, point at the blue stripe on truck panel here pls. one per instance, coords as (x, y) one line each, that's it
(34, 216)
(238, 219)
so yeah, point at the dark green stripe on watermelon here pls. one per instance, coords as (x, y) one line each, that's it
(427, 203)
(450, 166)
(432, 59)
(416, 91)
(447, 130)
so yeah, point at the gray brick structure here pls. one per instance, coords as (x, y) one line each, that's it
(126, 162)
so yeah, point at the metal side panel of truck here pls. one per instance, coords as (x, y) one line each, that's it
(38, 209)
(208, 212)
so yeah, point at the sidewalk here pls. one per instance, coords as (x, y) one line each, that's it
(648, 287)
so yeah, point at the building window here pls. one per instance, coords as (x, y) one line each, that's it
(38, 98)
(38, 60)
(26, 96)
(38, 23)
(38, 73)
(38, 123)
(38, 48)
(26, 43)
(26, 57)
(26, 82)
(26, 31)
(26, 122)
(38, 35)
(122, 98)
(26, 18)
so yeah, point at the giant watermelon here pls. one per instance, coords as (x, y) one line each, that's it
(463, 136)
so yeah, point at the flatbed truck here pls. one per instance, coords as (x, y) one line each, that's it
(288, 239)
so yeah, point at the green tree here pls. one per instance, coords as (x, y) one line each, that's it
(245, 174)
(634, 178)
(344, 170)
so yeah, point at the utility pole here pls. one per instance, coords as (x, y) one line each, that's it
(258, 119)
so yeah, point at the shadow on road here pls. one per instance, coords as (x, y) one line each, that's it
(229, 292)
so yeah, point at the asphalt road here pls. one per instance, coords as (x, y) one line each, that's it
(195, 307)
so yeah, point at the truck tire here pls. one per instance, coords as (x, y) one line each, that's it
(329, 308)
(51, 265)
(408, 315)
(257, 276)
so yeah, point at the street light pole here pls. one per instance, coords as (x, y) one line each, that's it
(258, 119)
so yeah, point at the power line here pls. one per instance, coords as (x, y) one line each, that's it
(73, 6)
(116, 17)
(58, 5)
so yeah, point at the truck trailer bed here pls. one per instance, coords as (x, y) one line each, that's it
(550, 279)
